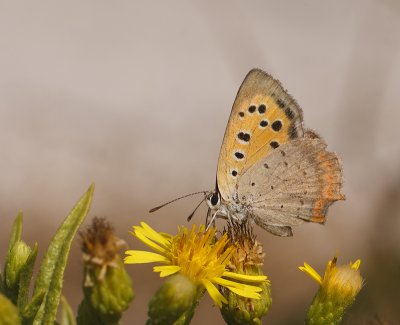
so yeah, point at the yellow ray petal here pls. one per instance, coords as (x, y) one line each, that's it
(215, 295)
(138, 257)
(154, 235)
(166, 236)
(237, 285)
(245, 277)
(311, 272)
(356, 264)
(245, 293)
(139, 235)
(166, 270)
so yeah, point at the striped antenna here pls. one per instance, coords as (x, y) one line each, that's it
(182, 197)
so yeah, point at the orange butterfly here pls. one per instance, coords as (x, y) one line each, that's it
(270, 169)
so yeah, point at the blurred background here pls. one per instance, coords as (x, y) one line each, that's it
(135, 96)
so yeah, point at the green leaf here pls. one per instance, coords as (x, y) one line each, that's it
(67, 315)
(25, 278)
(16, 231)
(15, 236)
(31, 309)
(50, 277)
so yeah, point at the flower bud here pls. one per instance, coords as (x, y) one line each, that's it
(174, 302)
(18, 255)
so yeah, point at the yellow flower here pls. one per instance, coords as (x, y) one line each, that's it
(344, 280)
(338, 290)
(197, 255)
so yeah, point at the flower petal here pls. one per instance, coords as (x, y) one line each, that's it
(138, 257)
(356, 264)
(245, 293)
(154, 235)
(311, 272)
(237, 285)
(215, 295)
(245, 277)
(142, 237)
(166, 236)
(166, 270)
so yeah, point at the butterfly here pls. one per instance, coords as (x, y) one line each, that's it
(270, 169)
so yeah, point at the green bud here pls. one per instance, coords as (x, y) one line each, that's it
(8, 312)
(111, 295)
(106, 296)
(240, 310)
(325, 311)
(175, 302)
(18, 256)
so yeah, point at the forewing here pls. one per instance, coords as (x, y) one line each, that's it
(296, 182)
(264, 116)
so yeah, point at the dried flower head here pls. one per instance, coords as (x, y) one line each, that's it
(100, 245)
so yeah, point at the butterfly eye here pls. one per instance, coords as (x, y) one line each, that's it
(214, 199)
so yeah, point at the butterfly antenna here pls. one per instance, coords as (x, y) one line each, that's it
(195, 209)
(182, 197)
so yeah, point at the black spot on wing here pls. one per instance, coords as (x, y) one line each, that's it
(239, 155)
(274, 144)
(252, 109)
(243, 136)
(262, 108)
(276, 125)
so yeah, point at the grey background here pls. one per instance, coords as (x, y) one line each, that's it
(135, 96)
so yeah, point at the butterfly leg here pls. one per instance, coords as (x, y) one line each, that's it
(208, 216)
(212, 221)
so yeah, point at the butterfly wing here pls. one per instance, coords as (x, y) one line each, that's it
(295, 183)
(263, 117)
